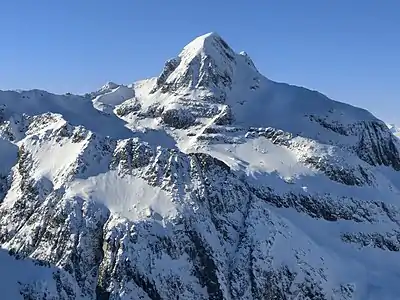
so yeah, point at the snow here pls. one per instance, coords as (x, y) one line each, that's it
(260, 155)
(24, 272)
(112, 95)
(130, 197)
(8, 156)
(79, 171)
(373, 273)
(52, 158)
(76, 110)
(205, 45)
(394, 129)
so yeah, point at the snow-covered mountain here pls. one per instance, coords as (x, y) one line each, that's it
(209, 181)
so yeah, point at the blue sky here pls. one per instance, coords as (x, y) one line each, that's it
(349, 50)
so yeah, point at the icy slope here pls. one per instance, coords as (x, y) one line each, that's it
(209, 181)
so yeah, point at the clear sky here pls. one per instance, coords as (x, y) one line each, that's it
(347, 49)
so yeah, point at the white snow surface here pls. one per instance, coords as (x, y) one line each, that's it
(131, 198)
(394, 129)
(71, 149)
(16, 273)
(111, 95)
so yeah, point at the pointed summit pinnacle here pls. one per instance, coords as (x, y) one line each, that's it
(208, 44)
(206, 63)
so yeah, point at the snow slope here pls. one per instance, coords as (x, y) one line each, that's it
(21, 274)
(209, 181)
(131, 198)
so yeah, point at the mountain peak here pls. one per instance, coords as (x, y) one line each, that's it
(232, 179)
(207, 36)
(207, 62)
(109, 85)
(205, 42)
(210, 44)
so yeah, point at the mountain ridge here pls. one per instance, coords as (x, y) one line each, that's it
(209, 181)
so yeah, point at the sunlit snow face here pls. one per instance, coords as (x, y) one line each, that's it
(130, 197)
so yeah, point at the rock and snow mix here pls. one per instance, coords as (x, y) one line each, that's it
(209, 181)
(394, 129)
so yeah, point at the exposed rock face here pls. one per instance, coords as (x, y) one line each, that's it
(177, 118)
(170, 66)
(208, 182)
(377, 146)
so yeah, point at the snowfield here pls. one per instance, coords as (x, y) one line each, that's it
(209, 181)
(131, 198)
